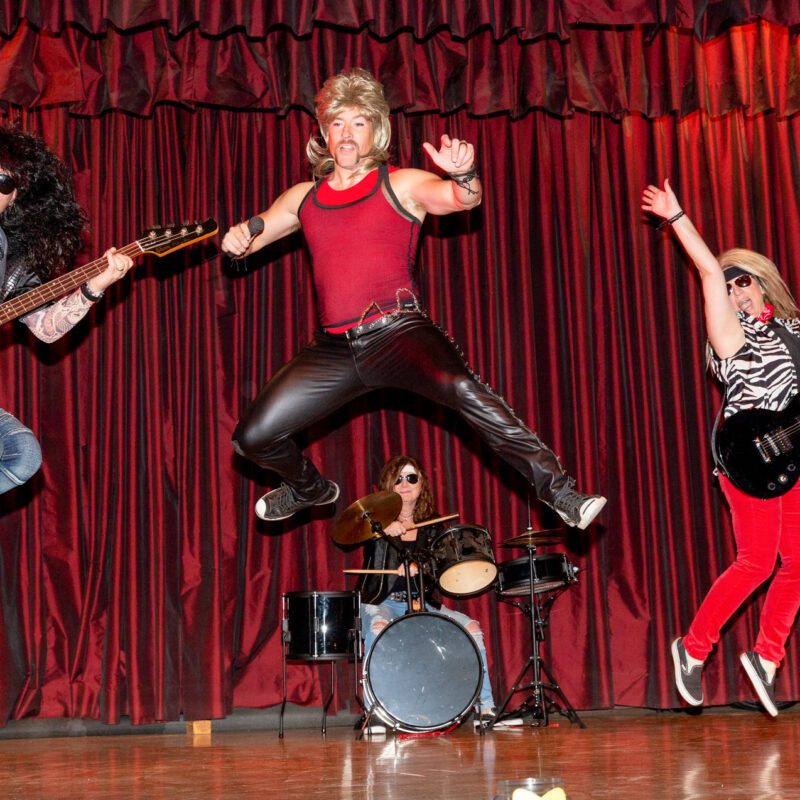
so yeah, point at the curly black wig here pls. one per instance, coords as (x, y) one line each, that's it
(44, 224)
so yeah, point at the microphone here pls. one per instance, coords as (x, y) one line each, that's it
(254, 226)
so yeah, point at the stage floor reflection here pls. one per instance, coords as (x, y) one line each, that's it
(621, 755)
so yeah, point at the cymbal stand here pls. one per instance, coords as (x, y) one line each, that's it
(405, 556)
(404, 553)
(545, 694)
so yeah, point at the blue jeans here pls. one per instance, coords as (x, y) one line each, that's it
(391, 609)
(20, 454)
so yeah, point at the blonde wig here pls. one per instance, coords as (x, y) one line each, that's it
(354, 89)
(776, 292)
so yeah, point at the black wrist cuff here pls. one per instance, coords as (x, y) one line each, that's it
(89, 294)
(671, 219)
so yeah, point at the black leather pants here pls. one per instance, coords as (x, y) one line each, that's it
(408, 352)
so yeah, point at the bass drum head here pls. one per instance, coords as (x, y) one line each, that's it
(424, 672)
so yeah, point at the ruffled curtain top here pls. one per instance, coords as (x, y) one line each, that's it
(651, 58)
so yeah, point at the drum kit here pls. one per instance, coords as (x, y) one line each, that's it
(424, 671)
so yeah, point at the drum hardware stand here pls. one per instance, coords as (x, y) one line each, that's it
(538, 703)
(405, 555)
(355, 636)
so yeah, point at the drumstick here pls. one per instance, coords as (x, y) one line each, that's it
(371, 571)
(432, 521)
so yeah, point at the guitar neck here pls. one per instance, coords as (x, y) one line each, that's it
(57, 287)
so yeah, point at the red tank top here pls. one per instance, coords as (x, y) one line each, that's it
(363, 247)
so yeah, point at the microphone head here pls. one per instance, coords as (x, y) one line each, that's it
(255, 225)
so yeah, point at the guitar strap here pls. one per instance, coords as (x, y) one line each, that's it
(3, 252)
(791, 341)
(714, 451)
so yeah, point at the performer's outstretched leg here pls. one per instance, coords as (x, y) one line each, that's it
(317, 381)
(415, 347)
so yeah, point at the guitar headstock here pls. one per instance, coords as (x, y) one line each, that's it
(161, 241)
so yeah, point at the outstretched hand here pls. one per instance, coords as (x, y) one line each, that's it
(661, 202)
(453, 155)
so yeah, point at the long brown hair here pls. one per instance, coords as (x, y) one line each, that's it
(392, 468)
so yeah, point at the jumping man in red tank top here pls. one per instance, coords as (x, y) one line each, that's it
(361, 219)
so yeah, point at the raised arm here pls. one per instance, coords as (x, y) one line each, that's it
(422, 192)
(280, 219)
(724, 330)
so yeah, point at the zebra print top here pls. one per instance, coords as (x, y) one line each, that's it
(761, 374)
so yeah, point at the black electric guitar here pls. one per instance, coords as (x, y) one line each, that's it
(760, 450)
(158, 241)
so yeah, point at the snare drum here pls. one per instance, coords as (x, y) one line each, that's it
(463, 560)
(423, 673)
(551, 571)
(321, 626)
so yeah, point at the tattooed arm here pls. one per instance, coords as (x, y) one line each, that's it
(52, 322)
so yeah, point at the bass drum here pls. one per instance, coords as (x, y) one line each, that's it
(321, 626)
(423, 673)
(551, 571)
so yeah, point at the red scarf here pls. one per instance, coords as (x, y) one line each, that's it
(766, 314)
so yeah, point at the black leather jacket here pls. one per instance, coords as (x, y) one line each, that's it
(18, 281)
(379, 554)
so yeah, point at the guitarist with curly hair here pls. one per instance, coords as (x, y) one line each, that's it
(41, 227)
(753, 326)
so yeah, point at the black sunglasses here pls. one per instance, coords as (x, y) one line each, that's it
(743, 281)
(7, 184)
(411, 478)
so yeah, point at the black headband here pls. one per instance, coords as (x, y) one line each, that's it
(734, 272)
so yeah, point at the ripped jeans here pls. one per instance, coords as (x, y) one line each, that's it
(20, 454)
(375, 618)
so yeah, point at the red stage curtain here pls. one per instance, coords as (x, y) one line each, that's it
(134, 577)
(637, 68)
(526, 19)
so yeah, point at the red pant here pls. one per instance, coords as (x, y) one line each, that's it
(763, 529)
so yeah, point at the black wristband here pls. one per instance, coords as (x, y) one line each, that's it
(463, 178)
(671, 219)
(89, 294)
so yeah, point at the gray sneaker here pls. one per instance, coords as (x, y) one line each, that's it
(687, 678)
(762, 683)
(282, 502)
(578, 509)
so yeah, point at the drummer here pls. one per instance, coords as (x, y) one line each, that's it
(383, 597)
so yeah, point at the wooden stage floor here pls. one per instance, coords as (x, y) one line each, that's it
(619, 756)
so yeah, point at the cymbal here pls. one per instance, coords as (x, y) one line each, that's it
(353, 525)
(535, 538)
